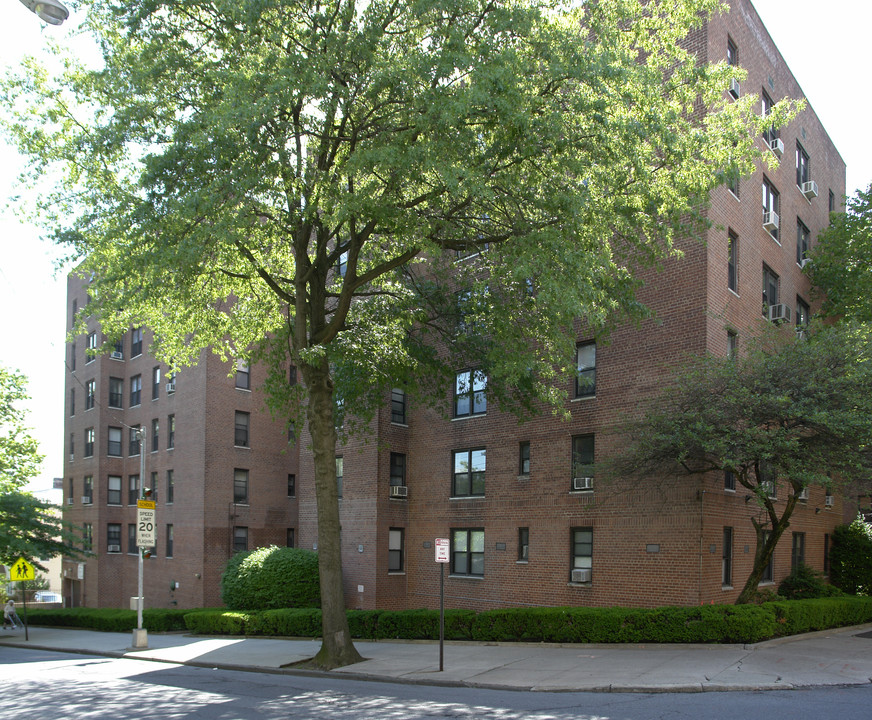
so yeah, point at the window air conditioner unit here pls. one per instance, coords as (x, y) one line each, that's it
(804, 262)
(582, 483)
(803, 494)
(171, 386)
(399, 491)
(71, 501)
(86, 500)
(829, 500)
(113, 548)
(117, 355)
(779, 313)
(770, 221)
(777, 146)
(734, 88)
(581, 576)
(809, 189)
(72, 457)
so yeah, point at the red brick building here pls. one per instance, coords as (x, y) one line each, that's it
(527, 525)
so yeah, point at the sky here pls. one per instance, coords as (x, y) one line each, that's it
(823, 43)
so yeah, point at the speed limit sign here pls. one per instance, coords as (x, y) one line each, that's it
(145, 529)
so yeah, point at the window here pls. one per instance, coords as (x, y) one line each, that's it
(243, 378)
(770, 290)
(169, 553)
(342, 264)
(732, 344)
(398, 469)
(469, 393)
(727, 558)
(826, 553)
(113, 538)
(132, 489)
(90, 394)
(88, 490)
(113, 490)
(831, 206)
(134, 445)
(72, 401)
(240, 435)
(73, 346)
(469, 468)
(72, 446)
(582, 554)
(116, 392)
(524, 457)
(771, 208)
(171, 486)
(87, 536)
(290, 538)
(151, 491)
(523, 544)
(240, 539)
(733, 262)
(802, 313)
(768, 571)
(114, 445)
(582, 462)
(803, 174)
(240, 487)
(155, 435)
(398, 406)
(131, 538)
(136, 342)
(340, 471)
(135, 390)
(292, 485)
(771, 134)
(729, 480)
(89, 442)
(91, 350)
(803, 241)
(118, 349)
(585, 376)
(171, 431)
(395, 550)
(732, 53)
(155, 382)
(768, 480)
(467, 552)
(797, 550)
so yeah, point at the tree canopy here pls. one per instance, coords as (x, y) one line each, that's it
(29, 527)
(795, 411)
(840, 268)
(376, 192)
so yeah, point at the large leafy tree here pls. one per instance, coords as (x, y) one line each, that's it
(29, 527)
(840, 268)
(793, 412)
(297, 178)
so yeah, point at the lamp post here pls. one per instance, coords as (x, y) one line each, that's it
(51, 11)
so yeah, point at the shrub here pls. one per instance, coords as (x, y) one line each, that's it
(804, 583)
(799, 616)
(271, 578)
(851, 558)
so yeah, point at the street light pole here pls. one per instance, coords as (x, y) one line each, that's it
(140, 635)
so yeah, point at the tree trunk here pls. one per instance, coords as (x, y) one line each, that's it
(337, 649)
(765, 548)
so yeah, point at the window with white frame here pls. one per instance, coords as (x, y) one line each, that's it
(585, 370)
(398, 469)
(113, 537)
(113, 490)
(582, 554)
(770, 289)
(803, 241)
(733, 261)
(90, 394)
(727, 557)
(396, 550)
(243, 376)
(116, 392)
(240, 486)
(240, 538)
(470, 396)
(771, 208)
(135, 390)
(398, 406)
(136, 342)
(155, 382)
(114, 442)
(89, 442)
(803, 173)
(241, 423)
(582, 462)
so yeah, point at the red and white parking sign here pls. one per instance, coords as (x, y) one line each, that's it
(442, 550)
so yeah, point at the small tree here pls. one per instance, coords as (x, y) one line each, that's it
(851, 558)
(794, 411)
(271, 577)
(29, 527)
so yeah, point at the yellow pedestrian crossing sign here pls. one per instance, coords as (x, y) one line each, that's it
(22, 570)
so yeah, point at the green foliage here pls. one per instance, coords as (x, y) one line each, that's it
(805, 583)
(799, 616)
(791, 409)
(108, 620)
(271, 577)
(839, 267)
(29, 527)
(851, 557)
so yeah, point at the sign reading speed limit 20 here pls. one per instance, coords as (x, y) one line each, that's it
(145, 529)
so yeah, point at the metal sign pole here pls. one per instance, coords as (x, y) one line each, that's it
(140, 636)
(441, 616)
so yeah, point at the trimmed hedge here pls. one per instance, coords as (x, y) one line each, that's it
(704, 624)
(109, 620)
(271, 577)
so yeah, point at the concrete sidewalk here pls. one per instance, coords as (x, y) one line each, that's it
(834, 657)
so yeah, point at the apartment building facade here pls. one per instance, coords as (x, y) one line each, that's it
(526, 522)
